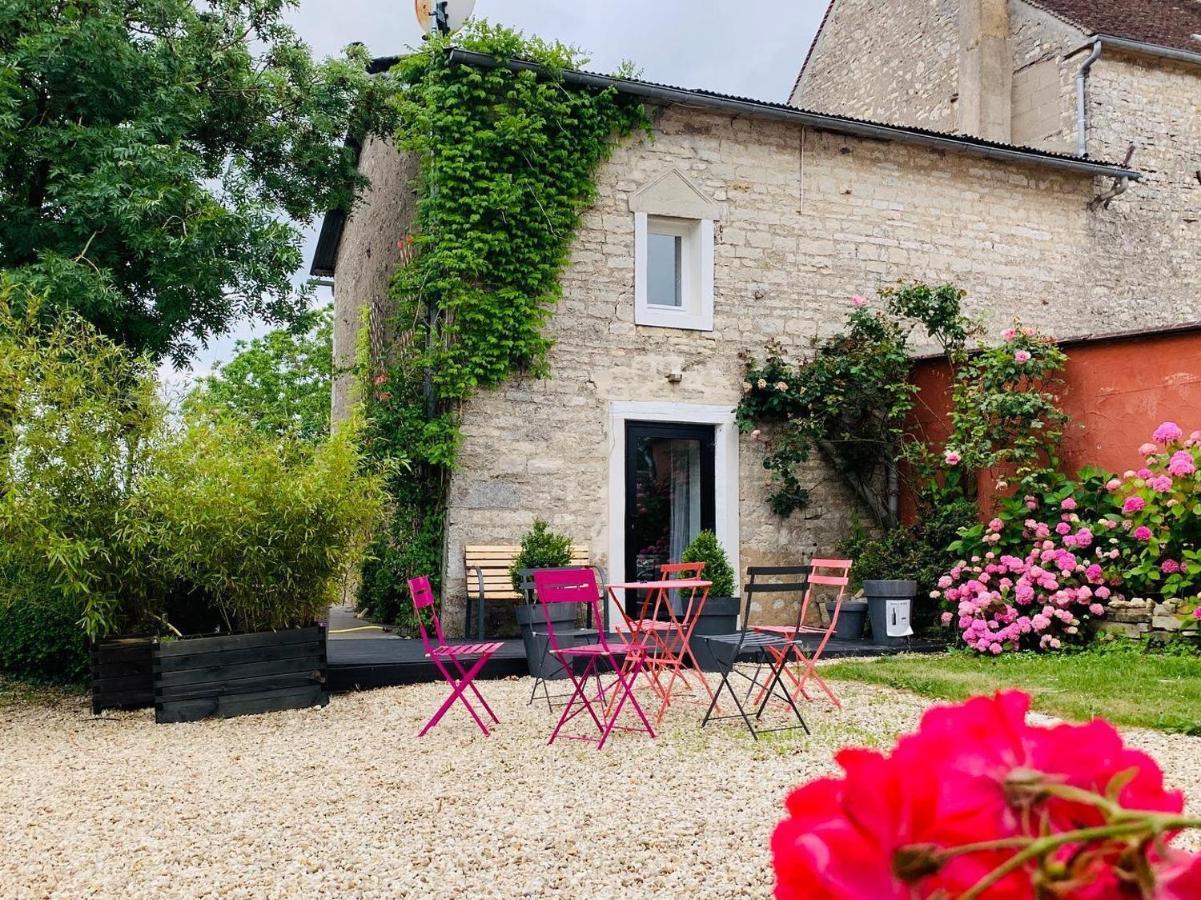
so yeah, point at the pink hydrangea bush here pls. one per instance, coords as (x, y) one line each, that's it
(1160, 504)
(1047, 595)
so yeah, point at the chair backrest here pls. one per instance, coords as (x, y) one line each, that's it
(567, 586)
(423, 599)
(488, 570)
(668, 571)
(828, 573)
(762, 581)
(673, 571)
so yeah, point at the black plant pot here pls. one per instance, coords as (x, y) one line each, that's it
(531, 619)
(879, 596)
(719, 616)
(851, 619)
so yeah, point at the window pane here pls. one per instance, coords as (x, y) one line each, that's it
(664, 257)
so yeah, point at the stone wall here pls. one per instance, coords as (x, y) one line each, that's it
(1142, 619)
(368, 254)
(790, 251)
(891, 61)
(1152, 233)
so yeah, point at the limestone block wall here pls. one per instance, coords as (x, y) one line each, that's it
(368, 255)
(1149, 243)
(891, 61)
(1046, 57)
(794, 242)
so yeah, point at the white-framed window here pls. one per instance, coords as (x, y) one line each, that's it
(673, 272)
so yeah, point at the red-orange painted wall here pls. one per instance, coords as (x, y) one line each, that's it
(1116, 390)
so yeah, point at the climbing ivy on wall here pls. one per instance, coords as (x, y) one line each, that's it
(508, 164)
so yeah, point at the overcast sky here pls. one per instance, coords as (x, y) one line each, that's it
(749, 49)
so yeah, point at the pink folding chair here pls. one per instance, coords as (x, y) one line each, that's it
(829, 573)
(579, 586)
(443, 653)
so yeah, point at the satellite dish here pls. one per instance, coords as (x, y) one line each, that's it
(451, 17)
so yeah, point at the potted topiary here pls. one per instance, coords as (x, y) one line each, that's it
(888, 568)
(541, 548)
(720, 613)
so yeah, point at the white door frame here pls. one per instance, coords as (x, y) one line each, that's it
(725, 474)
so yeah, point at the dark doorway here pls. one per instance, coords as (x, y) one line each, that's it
(669, 493)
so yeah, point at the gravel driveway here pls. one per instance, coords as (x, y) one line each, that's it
(346, 802)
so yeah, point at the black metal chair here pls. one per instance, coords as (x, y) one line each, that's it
(752, 646)
(585, 635)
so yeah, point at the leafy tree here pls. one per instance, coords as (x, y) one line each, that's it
(280, 383)
(149, 150)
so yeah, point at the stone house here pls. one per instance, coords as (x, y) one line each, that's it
(919, 143)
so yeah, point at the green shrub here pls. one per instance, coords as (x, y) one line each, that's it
(79, 422)
(42, 642)
(920, 552)
(262, 527)
(410, 545)
(707, 549)
(541, 548)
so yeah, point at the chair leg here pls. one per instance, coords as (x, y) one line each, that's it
(457, 689)
(627, 693)
(479, 625)
(475, 690)
(579, 691)
(725, 672)
(773, 683)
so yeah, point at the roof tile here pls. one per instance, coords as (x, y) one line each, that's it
(1166, 23)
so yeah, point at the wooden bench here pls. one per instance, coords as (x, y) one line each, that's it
(488, 578)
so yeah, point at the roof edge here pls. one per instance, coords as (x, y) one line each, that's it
(1103, 337)
(822, 121)
(812, 46)
(1161, 51)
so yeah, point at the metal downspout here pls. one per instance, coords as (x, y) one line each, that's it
(1082, 100)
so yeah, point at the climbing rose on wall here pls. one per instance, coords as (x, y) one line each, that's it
(977, 803)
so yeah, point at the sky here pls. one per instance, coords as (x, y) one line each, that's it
(735, 47)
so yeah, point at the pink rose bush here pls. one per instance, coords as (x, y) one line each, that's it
(979, 804)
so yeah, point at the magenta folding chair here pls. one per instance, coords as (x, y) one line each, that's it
(454, 654)
(579, 586)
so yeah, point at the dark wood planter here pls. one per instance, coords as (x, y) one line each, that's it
(239, 674)
(122, 673)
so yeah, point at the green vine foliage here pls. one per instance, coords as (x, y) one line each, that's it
(849, 399)
(508, 163)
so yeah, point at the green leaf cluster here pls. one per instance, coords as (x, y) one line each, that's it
(706, 548)
(152, 151)
(116, 517)
(541, 548)
(280, 383)
(508, 162)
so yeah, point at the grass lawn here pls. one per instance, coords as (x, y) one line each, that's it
(1125, 686)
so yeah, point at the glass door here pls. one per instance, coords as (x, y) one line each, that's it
(669, 493)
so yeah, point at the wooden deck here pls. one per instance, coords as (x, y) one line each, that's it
(363, 663)
(361, 657)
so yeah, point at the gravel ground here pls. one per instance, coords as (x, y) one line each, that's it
(347, 802)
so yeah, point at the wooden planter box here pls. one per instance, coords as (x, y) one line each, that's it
(239, 674)
(122, 674)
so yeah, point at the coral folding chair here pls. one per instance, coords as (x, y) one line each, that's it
(827, 573)
(443, 654)
(555, 586)
(666, 631)
(758, 648)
